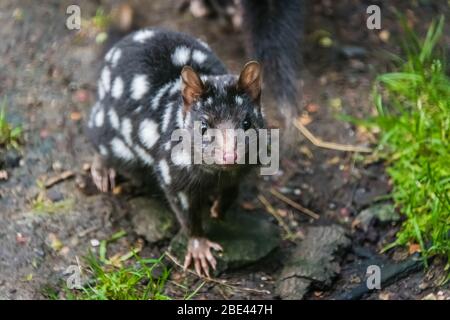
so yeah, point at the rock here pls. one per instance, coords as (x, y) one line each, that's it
(152, 220)
(245, 237)
(351, 52)
(9, 158)
(384, 213)
(315, 261)
(55, 195)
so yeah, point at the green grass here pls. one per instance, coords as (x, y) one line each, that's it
(413, 115)
(10, 136)
(144, 279)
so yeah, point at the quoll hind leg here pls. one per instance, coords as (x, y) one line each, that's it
(104, 178)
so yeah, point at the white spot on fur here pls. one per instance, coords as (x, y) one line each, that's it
(113, 118)
(176, 87)
(143, 35)
(99, 117)
(148, 132)
(110, 53)
(167, 145)
(162, 91)
(204, 44)
(103, 150)
(187, 119)
(166, 117)
(115, 57)
(139, 86)
(180, 118)
(183, 200)
(144, 156)
(127, 129)
(180, 56)
(199, 56)
(117, 88)
(120, 149)
(101, 91)
(239, 100)
(165, 171)
(181, 158)
(93, 114)
(106, 79)
(138, 109)
(209, 101)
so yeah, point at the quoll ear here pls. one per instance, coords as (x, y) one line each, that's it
(191, 88)
(250, 80)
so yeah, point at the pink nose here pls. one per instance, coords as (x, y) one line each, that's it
(229, 157)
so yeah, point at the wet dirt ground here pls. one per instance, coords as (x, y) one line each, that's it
(48, 76)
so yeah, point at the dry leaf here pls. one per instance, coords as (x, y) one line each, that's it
(312, 107)
(413, 248)
(75, 116)
(247, 205)
(305, 119)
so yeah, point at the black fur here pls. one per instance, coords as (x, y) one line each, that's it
(274, 32)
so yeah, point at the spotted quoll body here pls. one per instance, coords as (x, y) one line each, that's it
(153, 82)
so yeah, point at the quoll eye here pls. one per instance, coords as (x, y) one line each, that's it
(246, 124)
(204, 126)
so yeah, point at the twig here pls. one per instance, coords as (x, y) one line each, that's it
(274, 213)
(329, 145)
(294, 204)
(57, 179)
(213, 280)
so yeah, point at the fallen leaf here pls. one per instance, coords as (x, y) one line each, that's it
(20, 239)
(117, 190)
(384, 296)
(55, 243)
(81, 95)
(413, 248)
(430, 296)
(75, 116)
(334, 160)
(247, 205)
(282, 213)
(312, 107)
(305, 150)
(305, 119)
(384, 35)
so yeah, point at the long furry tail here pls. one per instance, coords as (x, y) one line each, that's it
(274, 31)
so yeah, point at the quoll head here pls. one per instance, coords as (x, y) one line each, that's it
(226, 110)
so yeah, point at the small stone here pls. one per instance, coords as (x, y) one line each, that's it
(95, 242)
(384, 213)
(57, 166)
(54, 195)
(352, 52)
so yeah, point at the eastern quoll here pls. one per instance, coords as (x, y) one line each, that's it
(153, 82)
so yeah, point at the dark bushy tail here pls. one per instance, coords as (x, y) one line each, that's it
(275, 31)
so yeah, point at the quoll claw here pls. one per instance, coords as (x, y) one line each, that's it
(199, 251)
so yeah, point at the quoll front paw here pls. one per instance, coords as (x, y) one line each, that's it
(104, 178)
(199, 251)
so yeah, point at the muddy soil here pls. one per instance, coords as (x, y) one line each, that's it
(48, 76)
